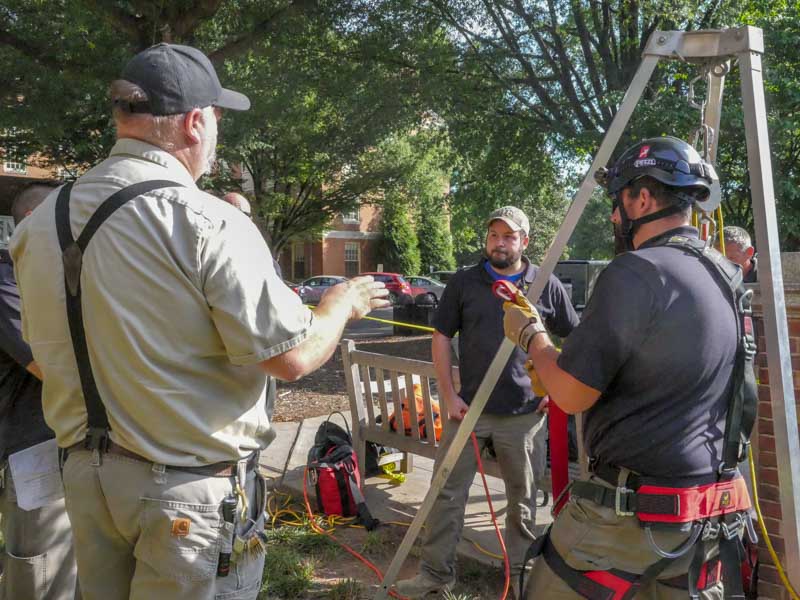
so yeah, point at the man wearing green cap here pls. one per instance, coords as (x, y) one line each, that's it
(512, 422)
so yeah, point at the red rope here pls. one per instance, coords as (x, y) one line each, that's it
(506, 566)
(347, 548)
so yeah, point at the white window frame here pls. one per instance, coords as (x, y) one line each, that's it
(352, 217)
(299, 253)
(11, 166)
(352, 246)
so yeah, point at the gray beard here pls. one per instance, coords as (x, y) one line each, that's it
(211, 160)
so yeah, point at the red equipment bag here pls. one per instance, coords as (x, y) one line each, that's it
(333, 470)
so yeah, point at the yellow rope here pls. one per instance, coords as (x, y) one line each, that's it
(720, 229)
(410, 325)
(390, 322)
(776, 561)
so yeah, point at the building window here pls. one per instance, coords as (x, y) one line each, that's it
(352, 216)
(15, 167)
(352, 259)
(298, 261)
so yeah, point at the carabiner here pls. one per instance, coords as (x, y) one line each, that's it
(505, 290)
(697, 528)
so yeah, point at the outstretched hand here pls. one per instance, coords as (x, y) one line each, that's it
(363, 294)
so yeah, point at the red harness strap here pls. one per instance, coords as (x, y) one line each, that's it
(695, 503)
(615, 584)
(559, 455)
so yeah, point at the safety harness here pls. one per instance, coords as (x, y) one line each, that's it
(714, 511)
(72, 252)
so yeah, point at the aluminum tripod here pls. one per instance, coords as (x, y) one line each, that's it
(746, 45)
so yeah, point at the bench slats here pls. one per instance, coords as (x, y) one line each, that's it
(397, 400)
(382, 399)
(393, 363)
(368, 399)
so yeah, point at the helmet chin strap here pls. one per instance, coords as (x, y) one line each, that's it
(629, 226)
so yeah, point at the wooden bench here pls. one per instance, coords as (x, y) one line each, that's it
(376, 383)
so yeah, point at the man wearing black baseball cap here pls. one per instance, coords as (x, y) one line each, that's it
(155, 383)
(177, 79)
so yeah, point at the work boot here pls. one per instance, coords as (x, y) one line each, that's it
(422, 585)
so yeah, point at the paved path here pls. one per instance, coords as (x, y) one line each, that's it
(285, 460)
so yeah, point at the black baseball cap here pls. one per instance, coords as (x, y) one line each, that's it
(177, 79)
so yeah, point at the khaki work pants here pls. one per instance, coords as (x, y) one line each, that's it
(145, 535)
(519, 443)
(591, 537)
(38, 562)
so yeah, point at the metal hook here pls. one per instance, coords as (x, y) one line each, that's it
(680, 550)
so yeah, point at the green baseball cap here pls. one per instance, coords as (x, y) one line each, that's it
(513, 217)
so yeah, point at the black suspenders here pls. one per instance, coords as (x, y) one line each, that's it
(72, 252)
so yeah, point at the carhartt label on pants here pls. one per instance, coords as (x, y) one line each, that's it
(180, 527)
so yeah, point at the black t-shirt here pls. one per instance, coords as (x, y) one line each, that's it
(21, 420)
(469, 307)
(658, 339)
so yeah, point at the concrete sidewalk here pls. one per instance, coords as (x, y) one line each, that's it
(285, 459)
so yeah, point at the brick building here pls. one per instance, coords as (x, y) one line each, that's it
(349, 247)
(769, 586)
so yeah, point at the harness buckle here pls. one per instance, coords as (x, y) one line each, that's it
(622, 488)
(749, 345)
(618, 501)
(710, 531)
(734, 529)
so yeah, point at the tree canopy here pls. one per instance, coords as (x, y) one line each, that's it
(522, 91)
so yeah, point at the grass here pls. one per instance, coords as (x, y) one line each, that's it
(298, 565)
(378, 543)
(347, 589)
(452, 596)
(476, 581)
(292, 554)
(287, 574)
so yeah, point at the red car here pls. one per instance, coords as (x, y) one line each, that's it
(395, 283)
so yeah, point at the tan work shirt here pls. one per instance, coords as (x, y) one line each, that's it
(180, 301)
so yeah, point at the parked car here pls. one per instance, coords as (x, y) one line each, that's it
(395, 283)
(443, 276)
(311, 289)
(425, 285)
(295, 287)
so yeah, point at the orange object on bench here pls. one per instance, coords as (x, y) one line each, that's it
(423, 433)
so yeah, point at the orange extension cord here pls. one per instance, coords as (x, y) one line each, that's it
(375, 569)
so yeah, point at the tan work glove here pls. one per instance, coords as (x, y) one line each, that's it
(536, 383)
(521, 321)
